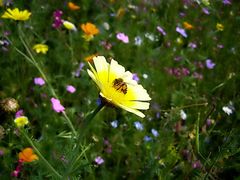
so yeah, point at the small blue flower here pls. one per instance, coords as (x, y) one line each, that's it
(114, 123)
(138, 125)
(147, 138)
(154, 132)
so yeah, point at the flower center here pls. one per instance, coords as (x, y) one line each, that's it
(120, 85)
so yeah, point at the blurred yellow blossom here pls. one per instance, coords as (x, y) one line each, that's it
(120, 12)
(27, 155)
(206, 2)
(187, 25)
(117, 86)
(21, 121)
(89, 30)
(73, 6)
(219, 27)
(16, 15)
(40, 48)
(70, 26)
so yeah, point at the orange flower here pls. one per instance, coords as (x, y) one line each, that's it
(73, 6)
(27, 155)
(187, 25)
(90, 30)
(90, 58)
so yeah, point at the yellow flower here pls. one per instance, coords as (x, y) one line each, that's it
(70, 26)
(21, 121)
(117, 86)
(206, 2)
(219, 27)
(16, 15)
(27, 155)
(187, 25)
(89, 30)
(73, 6)
(40, 48)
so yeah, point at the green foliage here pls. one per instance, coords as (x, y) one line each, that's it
(205, 145)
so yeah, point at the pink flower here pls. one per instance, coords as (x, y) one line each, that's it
(160, 29)
(56, 105)
(122, 37)
(39, 81)
(98, 160)
(70, 88)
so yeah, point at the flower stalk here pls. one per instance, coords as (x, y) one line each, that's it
(48, 165)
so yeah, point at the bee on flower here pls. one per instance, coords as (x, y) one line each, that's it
(117, 86)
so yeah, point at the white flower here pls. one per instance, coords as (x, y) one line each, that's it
(183, 115)
(227, 110)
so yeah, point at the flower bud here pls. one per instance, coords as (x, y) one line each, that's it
(9, 105)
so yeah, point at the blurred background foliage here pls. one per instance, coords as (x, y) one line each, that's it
(204, 145)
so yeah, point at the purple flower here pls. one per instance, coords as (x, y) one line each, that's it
(181, 31)
(205, 11)
(19, 113)
(226, 2)
(192, 45)
(161, 30)
(71, 89)
(220, 46)
(122, 37)
(98, 160)
(56, 105)
(154, 132)
(147, 138)
(196, 165)
(210, 64)
(138, 125)
(135, 77)
(57, 19)
(81, 65)
(138, 40)
(39, 81)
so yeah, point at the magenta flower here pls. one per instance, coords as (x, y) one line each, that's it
(181, 31)
(161, 30)
(19, 113)
(122, 37)
(39, 81)
(210, 64)
(57, 15)
(71, 89)
(98, 160)
(56, 105)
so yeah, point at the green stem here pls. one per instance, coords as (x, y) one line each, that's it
(31, 59)
(88, 120)
(48, 165)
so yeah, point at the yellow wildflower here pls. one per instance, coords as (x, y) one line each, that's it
(117, 86)
(187, 25)
(90, 58)
(27, 155)
(206, 2)
(219, 27)
(21, 121)
(16, 15)
(40, 48)
(73, 6)
(70, 26)
(89, 30)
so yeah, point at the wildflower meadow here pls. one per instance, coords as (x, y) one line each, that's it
(110, 89)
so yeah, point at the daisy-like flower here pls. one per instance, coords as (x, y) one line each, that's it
(90, 30)
(117, 86)
(16, 15)
(70, 26)
(21, 121)
(40, 48)
(27, 155)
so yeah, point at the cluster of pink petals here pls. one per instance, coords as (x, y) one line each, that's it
(56, 105)
(39, 81)
(122, 37)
